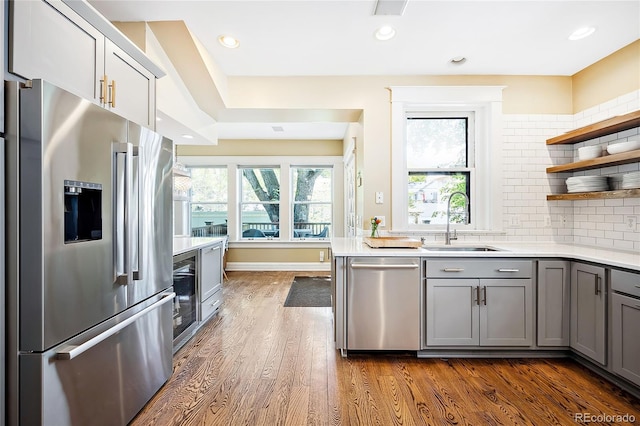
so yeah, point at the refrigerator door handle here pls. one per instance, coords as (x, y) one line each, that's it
(137, 155)
(73, 351)
(122, 212)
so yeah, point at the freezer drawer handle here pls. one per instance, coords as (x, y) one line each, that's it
(71, 352)
(377, 266)
(508, 270)
(453, 269)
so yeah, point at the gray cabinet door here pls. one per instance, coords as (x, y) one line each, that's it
(588, 321)
(506, 312)
(210, 270)
(51, 41)
(452, 317)
(131, 89)
(554, 305)
(626, 337)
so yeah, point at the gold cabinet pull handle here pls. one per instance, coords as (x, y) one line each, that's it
(112, 94)
(103, 90)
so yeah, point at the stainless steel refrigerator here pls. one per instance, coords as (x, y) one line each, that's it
(89, 260)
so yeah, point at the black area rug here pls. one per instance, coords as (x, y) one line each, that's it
(309, 292)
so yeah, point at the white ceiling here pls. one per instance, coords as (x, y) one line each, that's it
(331, 37)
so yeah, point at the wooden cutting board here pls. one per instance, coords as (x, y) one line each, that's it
(392, 242)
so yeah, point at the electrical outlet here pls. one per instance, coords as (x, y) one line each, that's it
(514, 221)
(321, 256)
(631, 222)
(563, 219)
(547, 221)
(379, 198)
(382, 222)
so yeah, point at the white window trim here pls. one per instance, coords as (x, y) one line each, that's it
(284, 163)
(486, 103)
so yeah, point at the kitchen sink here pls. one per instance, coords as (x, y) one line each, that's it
(460, 248)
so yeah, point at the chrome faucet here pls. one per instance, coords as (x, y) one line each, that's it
(447, 236)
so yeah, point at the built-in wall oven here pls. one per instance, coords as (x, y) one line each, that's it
(185, 303)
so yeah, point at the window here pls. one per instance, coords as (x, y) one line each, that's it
(439, 162)
(260, 202)
(312, 207)
(209, 201)
(269, 201)
(433, 156)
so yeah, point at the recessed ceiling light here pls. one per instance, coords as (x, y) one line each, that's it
(277, 128)
(187, 136)
(158, 119)
(458, 60)
(229, 41)
(385, 32)
(581, 33)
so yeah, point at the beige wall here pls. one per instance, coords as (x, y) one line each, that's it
(612, 76)
(265, 147)
(275, 255)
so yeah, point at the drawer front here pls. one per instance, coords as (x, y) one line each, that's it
(211, 305)
(479, 268)
(625, 282)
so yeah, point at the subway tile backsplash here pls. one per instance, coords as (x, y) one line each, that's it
(528, 216)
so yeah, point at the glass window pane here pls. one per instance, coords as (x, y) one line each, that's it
(429, 195)
(258, 220)
(312, 220)
(208, 214)
(436, 142)
(260, 184)
(209, 184)
(312, 184)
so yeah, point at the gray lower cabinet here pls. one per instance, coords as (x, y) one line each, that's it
(210, 279)
(463, 311)
(554, 302)
(588, 311)
(625, 328)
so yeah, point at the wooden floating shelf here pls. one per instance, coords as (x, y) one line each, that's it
(595, 163)
(622, 193)
(601, 128)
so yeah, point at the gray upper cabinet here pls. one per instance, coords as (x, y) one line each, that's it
(554, 304)
(51, 41)
(493, 309)
(130, 88)
(588, 309)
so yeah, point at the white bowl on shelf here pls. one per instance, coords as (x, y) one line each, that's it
(617, 148)
(589, 152)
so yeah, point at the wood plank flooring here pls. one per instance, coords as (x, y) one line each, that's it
(259, 363)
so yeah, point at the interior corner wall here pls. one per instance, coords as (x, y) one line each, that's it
(609, 78)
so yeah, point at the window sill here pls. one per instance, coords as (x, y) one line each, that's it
(425, 232)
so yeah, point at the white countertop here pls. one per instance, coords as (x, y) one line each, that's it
(185, 244)
(621, 259)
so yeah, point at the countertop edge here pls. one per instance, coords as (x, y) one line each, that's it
(185, 244)
(345, 247)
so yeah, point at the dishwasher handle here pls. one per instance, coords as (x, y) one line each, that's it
(380, 266)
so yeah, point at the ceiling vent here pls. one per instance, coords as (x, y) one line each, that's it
(277, 128)
(390, 7)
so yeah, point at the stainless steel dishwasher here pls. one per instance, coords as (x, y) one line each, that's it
(383, 303)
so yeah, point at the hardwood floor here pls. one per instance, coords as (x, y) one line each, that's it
(259, 363)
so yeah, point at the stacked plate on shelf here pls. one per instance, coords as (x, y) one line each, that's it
(587, 184)
(631, 180)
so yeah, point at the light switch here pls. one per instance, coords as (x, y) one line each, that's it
(379, 198)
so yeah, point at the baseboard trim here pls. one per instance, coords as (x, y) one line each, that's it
(278, 266)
